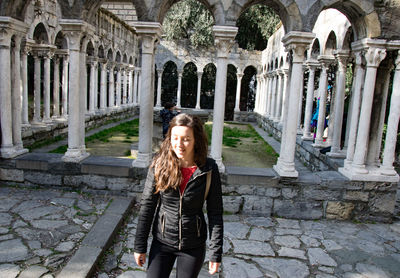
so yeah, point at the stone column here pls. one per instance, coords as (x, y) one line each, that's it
(56, 88)
(378, 113)
(37, 89)
(135, 87)
(278, 108)
(111, 91)
(273, 94)
(124, 86)
(92, 87)
(7, 148)
(199, 76)
(130, 85)
(16, 104)
(324, 61)
(270, 82)
(24, 79)
(159, 72)
(285, 96)
(118, 94)
(312, 65)
(238, 89)
(76, 151)
(300, 110)
(298, 42)
(224, 38)
(359, 74)
(139, 85)
(46, 85)
(150, 33)
(257, 102)
(374, 54)
(103, 86)
(341, 57)
(264, 102)
(96, 85)
(387, 168)
(64, 88)
(179, 92)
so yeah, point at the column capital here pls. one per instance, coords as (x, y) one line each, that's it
(397, 61)
(224, 37)
(239, 75)
(160, 72)
(74, 29)
(342, 56)
(138, 70)
(312, 64)
(359, 55)
(374, 56)
(325, 61)
(374, 50)
(9, 27)
(199, 74)
(299, 42)
(150, 33)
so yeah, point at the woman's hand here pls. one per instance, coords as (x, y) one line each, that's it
(213, 267)
(140, 258)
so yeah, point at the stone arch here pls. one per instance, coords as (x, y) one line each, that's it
(348, 39)
(110, 54)
(40, 34)
(315, 50)
(361, 14)
(124, 58)
(90, 49)
(281, 62)
(288, 12)
(131, 60)
(230, 94)
(248, 88)
(100, 52)
(61, 41)
(331, 44)
(118, 57)
(276, 63)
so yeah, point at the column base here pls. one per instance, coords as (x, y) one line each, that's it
(75, 155)
(286, 169)
(143, 160)
(47, 120)
(373, 174)
(299, 131)
(320, 145)
(388, 171)
(12, 151)
(307, 137)
(338, 154)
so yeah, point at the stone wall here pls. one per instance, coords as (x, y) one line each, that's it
(249, 191)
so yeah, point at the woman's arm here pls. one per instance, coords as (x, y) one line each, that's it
(148, 206)
(215, 221)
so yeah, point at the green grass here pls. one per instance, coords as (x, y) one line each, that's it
(40, 144)
(130, 129)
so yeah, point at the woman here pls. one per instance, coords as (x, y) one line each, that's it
(172, 204)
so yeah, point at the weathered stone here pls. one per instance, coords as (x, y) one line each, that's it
(371, 270)
(289, 193)
(27, 205)
(42, 178)
(280, 232)
(65, 246)
(5, 219)
(11, 175)
(33, 272)
(232, 204)
(235, 230)
(297, 210)
(6, 237)
(39, 212)
(382, 202)
(133, 274)
(317, 256)
(9, 270)
(288, 223)
(283, 268)
(255, 205)
(260, 234)
(311, 193)
(234, 267)
(251, 247)
(356, 196)
(309, 241)
(68, 202)
(339, 210)
(259, 221)
(291, 253)
(3, 231)
(34, 244)
(330, 245)
(127, 261)
(42, 252)
(13, 250)
(287, 241)
(49, 224)
(7, 204)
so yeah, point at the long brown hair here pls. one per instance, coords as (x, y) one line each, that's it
(167, 174)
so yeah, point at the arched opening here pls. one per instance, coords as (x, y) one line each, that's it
(230, 98)
(169, 83)
(331, 44)
(208, 86)
(315, 50)
(40, 34)
(189, 85)
(248, 89)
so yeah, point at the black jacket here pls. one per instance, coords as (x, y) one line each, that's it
(179, 221)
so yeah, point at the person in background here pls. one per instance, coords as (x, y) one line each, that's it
(172, 205)
(167, 114)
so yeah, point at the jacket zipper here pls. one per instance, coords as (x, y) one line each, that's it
(198, 225)
(180, 210)
(163, 224)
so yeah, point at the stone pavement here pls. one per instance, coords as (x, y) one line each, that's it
(58, 233)
(275, 247)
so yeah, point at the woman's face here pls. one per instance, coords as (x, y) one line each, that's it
(182, 142)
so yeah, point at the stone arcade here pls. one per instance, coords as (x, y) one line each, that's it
(99, 69)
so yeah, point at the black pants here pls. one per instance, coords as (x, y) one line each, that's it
(162, 259)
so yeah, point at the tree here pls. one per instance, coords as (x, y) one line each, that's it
(256, 25)
(190, 20)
